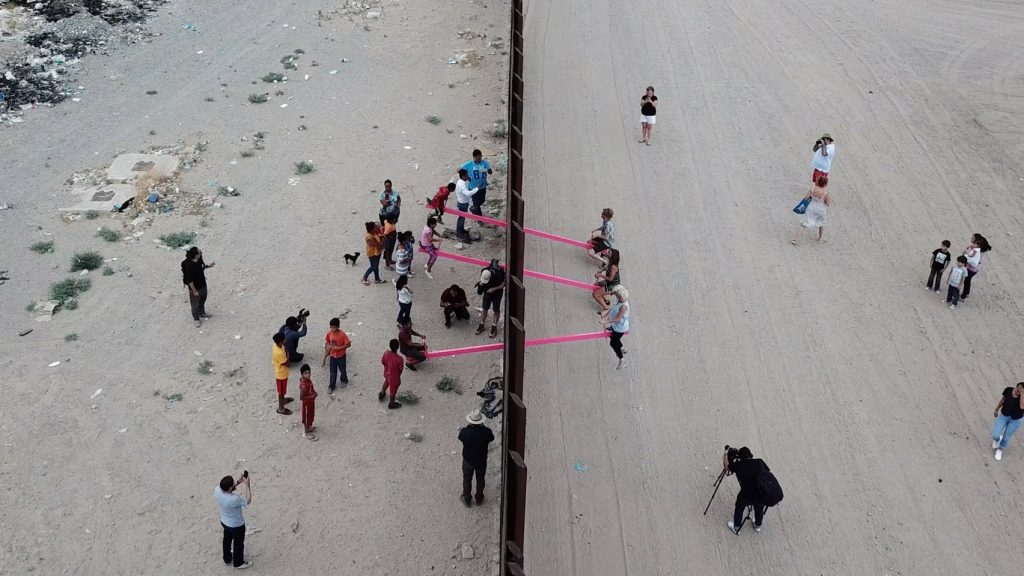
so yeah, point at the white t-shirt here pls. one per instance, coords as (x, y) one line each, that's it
(824, 163)
(463, 193)
(404, 296)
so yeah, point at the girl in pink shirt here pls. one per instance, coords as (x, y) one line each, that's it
(427, 244)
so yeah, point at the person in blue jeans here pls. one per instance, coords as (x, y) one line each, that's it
(478, 170)
(1009, 414)
(463, 196)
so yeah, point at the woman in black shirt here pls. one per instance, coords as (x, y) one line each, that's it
(648, 109)
(1009, 414)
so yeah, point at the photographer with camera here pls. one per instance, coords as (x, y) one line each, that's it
(293, 329)
(758, 487)
(231, 518)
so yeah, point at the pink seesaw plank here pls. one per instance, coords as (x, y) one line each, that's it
(530, 231)
(531, 273)
(531, 342)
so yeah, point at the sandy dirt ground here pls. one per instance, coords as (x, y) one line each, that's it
(120, 481)
(868, 397)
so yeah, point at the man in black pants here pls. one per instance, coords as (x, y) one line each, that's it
(746, 468)
(193, 276)
(475, 439)
(232, 520)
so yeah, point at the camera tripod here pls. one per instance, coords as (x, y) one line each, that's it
(718, 483)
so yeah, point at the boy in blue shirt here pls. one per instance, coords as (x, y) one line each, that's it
(478, 170)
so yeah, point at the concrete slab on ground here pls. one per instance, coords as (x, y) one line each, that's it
(131, 166)
(102, 198)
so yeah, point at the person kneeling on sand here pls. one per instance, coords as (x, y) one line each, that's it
(454, 303)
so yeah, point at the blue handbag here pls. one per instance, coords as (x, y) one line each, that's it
(802, 206)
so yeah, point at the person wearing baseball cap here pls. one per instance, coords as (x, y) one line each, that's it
(475, 438)
(824, 154)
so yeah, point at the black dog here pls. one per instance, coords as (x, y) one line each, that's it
(351, 258)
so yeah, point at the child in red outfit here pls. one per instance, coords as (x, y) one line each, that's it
(440, 199)
(393, 366)
(307, 395)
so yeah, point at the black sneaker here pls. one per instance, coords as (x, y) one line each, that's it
(479, 499)
(393, 405)
(466, 500)
(411, 367)
(380, 397)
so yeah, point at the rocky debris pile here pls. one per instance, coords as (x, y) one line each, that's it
(111, 11)
(55, 34)
(71, 37)
(155, 193)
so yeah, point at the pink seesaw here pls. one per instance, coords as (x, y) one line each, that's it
(530, 231)
(531, 273)
(531, 342)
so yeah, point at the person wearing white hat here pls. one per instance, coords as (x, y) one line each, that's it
(475, 438)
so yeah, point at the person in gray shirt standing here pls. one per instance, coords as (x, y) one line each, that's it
(231, 518)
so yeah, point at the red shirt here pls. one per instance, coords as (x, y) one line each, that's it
(306, 391)
(338, 338)
(393, 366)
(440, 198)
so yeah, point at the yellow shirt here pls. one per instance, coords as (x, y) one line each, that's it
(280, 363)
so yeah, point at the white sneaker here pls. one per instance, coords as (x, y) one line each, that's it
(732, 528)
(198, 323)
(995, 444)
(757, 528)
(427, 272)
(243, 566)
(952, 306)
(927, 288)
(999, 454)
(937, 292)
(622, 364)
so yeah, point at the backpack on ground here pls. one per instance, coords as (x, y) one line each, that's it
(769, 492)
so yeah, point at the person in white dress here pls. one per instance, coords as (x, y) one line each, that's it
(816, 210)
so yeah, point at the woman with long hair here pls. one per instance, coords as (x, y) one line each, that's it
(816, 209)
(617, 321)
(607, 280)
(979, 244)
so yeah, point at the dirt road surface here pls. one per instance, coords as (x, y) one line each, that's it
(121, 481)
(869, 398)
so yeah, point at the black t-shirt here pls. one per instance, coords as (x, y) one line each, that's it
(475, 439)
(646, 108)
(1011, 406)
(940, 258)
(746, 472)
(193, 273)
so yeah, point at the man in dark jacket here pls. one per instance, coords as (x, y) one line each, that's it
(746, 468)
(475, 439)
(293, 329)
(193, 276)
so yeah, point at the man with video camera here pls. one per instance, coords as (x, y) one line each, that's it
(293, 329)
(231, 518)
(758, 487)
